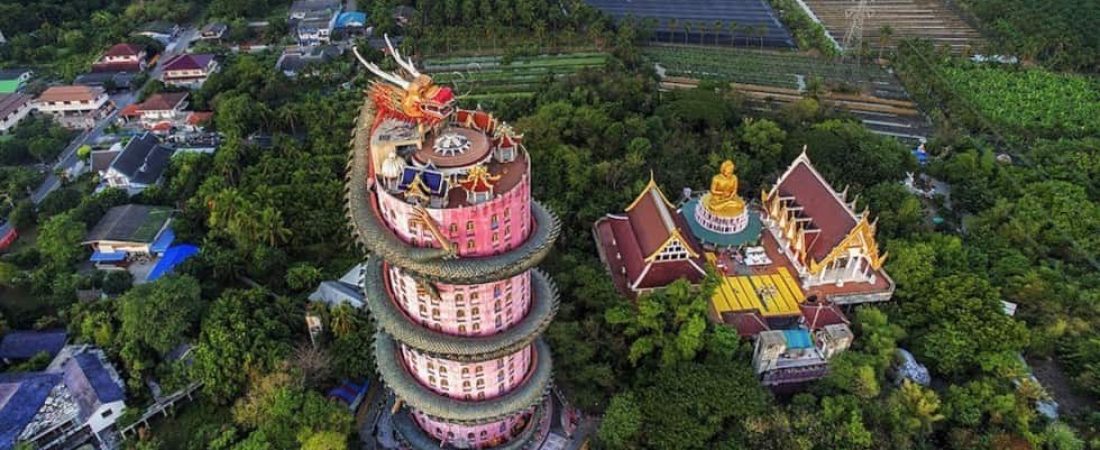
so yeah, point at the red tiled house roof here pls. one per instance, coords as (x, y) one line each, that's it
(124, 50)
(163, 101)
(187, 62)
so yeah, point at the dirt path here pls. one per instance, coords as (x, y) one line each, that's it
(1070, 400)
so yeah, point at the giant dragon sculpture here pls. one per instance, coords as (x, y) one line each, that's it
(407, 95)
(412, 95)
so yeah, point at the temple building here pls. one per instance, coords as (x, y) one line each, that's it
(784, 268)
(646, 247)
(441, 199)
(829, 245)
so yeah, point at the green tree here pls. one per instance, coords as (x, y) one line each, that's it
(303, 276)
(173, 303)
(244, 331)
(669, 322)
(59, 240)
(621, 422)
(764, 139)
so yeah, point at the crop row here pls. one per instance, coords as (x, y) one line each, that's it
(478, 77)
(1032, 101)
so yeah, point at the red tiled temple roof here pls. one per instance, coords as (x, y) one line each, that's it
(747, 323)
(626, 241)
(822, 204)
(821, 313)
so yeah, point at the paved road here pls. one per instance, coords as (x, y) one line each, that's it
(68, 159)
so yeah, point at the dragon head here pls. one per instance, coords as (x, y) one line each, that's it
(414, 96)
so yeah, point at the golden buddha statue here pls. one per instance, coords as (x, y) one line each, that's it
(722, 200)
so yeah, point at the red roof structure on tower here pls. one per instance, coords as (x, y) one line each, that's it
(630, 245)
(479, 120)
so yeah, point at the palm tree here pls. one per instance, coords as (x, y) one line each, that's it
(224, 207)
(270, 227)
(288, 115)
(733, 33)
(687, 30)
(673, 25)
(342, 320)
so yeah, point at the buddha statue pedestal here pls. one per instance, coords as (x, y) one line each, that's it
(720, 223)
(721, 210)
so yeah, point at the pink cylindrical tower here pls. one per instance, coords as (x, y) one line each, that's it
(442, 200)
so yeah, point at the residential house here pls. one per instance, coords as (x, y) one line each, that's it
(109, 81)
(316, 28)
(188, 70)
(347, 289)
(137, 165)
(8, 235)
(13, 108)
(130, 232)
(75, 400)
(74, 106)
(122, 58)
(12, 80)
(297, 60)
(213, 31)
(161, 31)
(21, 345)
(160, 112)
(301, 8)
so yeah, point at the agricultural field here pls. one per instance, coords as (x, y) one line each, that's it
(480, 77)
(892, 20)
(705, 22)
(778, 69)
(1033, 102)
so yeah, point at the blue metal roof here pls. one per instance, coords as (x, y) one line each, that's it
(172, 257)
(349, 392)
(797, 339)
(98, 256)
(26, 344)
(106, 389)
(163, 241)
(353, 18)
(21, 395)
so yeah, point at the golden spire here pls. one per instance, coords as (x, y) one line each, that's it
(417, 189)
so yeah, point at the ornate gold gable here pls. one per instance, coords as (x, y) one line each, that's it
(675, 236)
(861, 236)
(652, 184)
